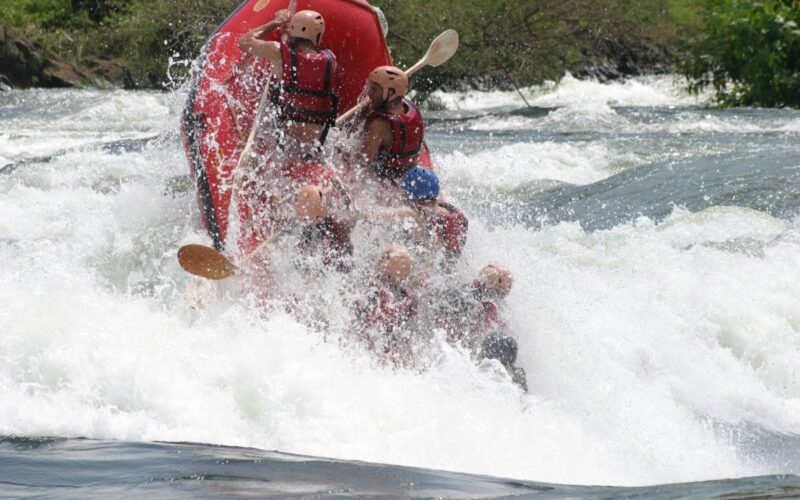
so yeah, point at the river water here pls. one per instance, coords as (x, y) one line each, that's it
(655, 245)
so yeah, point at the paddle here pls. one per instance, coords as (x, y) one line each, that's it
(261, 105)
(441, 49)
(205, 262)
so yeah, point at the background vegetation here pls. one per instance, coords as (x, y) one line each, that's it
(526, 41)
(747, 50)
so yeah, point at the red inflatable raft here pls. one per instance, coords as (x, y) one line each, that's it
(228, 84)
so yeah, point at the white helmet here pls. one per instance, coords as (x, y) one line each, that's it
(390, 77)
(307, 24)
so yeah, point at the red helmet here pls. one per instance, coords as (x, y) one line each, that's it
(307, 24)
(389, 77)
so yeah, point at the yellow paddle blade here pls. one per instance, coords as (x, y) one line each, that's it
(205, 262)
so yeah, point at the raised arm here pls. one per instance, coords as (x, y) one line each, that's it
(251, 43)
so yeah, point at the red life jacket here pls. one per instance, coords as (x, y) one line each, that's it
(470, 313)
(331, 239)
(387, 309)
(451, 228)
(408, 135)
(308, 172)
(305, 92)
(490, 316)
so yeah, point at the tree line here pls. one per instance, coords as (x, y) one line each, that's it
(747, 51)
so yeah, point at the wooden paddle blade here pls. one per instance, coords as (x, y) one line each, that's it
(205, 262)
(442, 48)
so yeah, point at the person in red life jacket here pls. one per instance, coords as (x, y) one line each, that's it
(432, 226)
(322, 234)
(303, 91)
(446, 224)
(389, 307)
(469, 314)
(471, 317)
(395, 132)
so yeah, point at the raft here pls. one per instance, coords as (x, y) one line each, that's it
(227, 85)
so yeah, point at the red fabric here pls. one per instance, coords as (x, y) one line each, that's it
(308, 172)
(408, 135)
(387, 310)
(451, 228)
(329, 238)
(490, 316)
(476, 317)
(306, 87)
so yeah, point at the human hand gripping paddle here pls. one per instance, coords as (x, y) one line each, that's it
(207, 262)
(261, 105)
(440, 51)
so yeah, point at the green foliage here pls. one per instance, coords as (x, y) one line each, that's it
(141, 35)
(749, 53)
(151, 32)
(505, 40)
(42, 14)
(524, 42)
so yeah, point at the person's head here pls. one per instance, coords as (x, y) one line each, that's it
(307, 25)
(496, 278)
(386, 83)
(310, 204)
(501, 347)
(395, 264)
(420, 184)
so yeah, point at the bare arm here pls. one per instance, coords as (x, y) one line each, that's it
(251, 43)
(379, 133)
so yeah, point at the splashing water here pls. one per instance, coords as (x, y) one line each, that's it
(659, 348)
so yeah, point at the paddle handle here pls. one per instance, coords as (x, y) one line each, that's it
(260, 111)
(350, 112)
(413, 69)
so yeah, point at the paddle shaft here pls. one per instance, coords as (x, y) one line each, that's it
(360, 106)
(261, 104)
(425, 61)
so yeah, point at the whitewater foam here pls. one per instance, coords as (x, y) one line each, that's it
(660, 90)
(518, 165)
(641, 342)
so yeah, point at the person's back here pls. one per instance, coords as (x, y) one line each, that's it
(302, 91)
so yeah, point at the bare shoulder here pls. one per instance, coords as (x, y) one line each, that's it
(379, 127)
(262, 48)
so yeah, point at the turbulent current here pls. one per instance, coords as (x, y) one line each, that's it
(655, 244)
